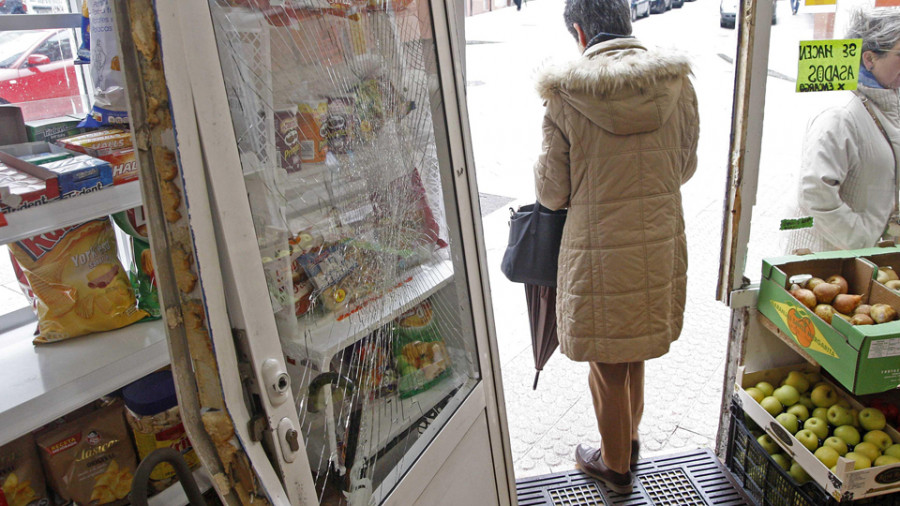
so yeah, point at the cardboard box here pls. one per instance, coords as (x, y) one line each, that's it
(22, 188)
(98, 143)
(124, 165)
(847, 484)
(76, 175)
(864, 359)
(49, 130)
(12, 125)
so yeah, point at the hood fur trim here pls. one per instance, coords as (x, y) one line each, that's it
(612, 66)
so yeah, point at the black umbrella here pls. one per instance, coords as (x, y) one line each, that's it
(542, 315)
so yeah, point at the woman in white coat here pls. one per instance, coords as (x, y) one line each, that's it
(849, 163)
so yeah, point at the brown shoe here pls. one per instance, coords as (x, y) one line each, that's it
(635, 452)
(590, 461)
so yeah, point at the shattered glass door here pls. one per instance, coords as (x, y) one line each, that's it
(340, 125)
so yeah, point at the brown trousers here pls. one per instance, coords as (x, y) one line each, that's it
(618, 394)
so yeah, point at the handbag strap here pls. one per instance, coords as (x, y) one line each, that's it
(865, 101)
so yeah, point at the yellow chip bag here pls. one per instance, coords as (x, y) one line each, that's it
(78, 283)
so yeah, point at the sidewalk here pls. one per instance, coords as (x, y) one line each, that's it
(683, 388)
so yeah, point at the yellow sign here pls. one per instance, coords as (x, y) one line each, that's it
(803, 330)
(828, 65)
(821, 2)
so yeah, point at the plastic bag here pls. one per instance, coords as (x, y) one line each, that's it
(78, 283)
(110, 102)
(141, 273)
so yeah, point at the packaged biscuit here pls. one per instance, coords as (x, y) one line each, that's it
(21, 477)
(78, 283)
(141, 274)
(89, 459)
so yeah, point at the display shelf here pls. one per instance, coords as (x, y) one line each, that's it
(322, 338)
(62, 213)
(387, 418)
(42, 383)
(175, 496)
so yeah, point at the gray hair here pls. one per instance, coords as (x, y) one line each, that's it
(879, 29)
(595, 16)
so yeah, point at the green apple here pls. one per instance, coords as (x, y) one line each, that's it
(855, 414)
(824, 396)
(848, 433)
(839, 415)
(827, 455)
(808, 439)
(797, 380)
(772, 405)
(872, 419)
(756, 393)
(787, 395)
(867, 449)
(878, 438)
(798, 473)
(893, 450)
(820, 413)
(789, 421)
(838, 444)
(800, 411)
(813, 377)
(818, 426)
(768, 444)
(844, 403)
(860, 461)
(782, 460)
(885, 460)
(806, 401)
(765, 387)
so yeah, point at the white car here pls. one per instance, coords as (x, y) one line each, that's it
(728, 12)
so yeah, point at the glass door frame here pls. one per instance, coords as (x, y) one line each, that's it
(242, 327)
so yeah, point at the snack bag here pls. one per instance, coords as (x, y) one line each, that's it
(420, 354)
(21, 478)
(89, 459)
(110, 102)
(84, 51)
(78, 283)
(143, 278)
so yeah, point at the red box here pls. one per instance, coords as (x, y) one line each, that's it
(124, 165)
(23, 185)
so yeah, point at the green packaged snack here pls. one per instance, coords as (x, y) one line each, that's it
(420, 355)
(140, 272)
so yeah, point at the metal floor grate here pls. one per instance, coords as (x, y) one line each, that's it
(691, 478)
(578, 495)
(671, 488)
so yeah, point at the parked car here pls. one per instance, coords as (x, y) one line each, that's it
(677, 4)
(37, 72)
(728, 12)
(12, 7)
(640, 9)
(659, 6)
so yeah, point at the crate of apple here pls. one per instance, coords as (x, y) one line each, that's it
(825, 423)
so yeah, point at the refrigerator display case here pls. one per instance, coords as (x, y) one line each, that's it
(306, 170)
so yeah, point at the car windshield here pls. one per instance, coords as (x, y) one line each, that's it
(14, 43)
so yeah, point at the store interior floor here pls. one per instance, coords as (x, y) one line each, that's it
(683, 388)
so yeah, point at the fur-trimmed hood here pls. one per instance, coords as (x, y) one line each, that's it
(620, 85)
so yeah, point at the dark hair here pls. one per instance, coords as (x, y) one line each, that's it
(595, 16)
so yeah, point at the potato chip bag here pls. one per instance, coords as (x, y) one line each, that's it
(143, 278)
(78, 282)
(21, 477)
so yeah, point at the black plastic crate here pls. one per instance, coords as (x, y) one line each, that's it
(766, 483)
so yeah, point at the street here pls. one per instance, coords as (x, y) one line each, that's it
(505, 48)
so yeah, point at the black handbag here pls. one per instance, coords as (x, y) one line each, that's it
(532, 253)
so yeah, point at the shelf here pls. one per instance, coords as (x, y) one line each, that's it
(788, 340)
(323, 338)
(71, 211)
(42, 383)
(175, 496)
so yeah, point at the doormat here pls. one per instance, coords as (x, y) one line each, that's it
(683, 479)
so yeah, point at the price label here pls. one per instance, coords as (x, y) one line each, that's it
(828, 65)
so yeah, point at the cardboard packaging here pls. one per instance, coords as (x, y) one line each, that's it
(76, 174)
(49, 130)
(862, 358)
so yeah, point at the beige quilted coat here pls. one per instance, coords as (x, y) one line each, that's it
(620, 138)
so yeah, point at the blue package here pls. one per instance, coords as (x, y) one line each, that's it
(84, 51)
(80, 174)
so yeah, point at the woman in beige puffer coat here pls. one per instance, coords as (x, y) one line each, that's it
(620, 138)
